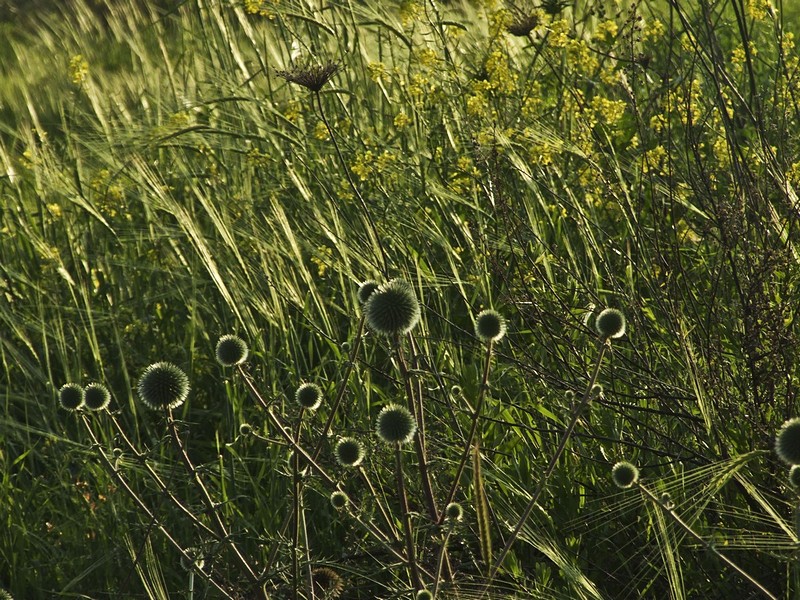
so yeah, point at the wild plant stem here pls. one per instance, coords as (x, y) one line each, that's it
(406, 514)
(705, 543)
(576, 412)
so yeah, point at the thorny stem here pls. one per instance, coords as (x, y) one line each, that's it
(576, 412)
(143, 507)
(367, 215)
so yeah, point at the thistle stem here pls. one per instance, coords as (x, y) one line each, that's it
(407, 528)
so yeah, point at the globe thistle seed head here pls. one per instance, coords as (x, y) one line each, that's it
(349, 452)
(71, 397)
(395, 424)
(4, 595)
(328, 583)
(597, 390)
(339, 500)
(96, 396)
(245, 429)
(392, 308)
(787, 442)
(624, 474)
(610, 323)
(308, 396)
(454, 512)
(231, 350)
(794, 476)
(424, 595)
(365, 290)
(163, 386)
(490, 326)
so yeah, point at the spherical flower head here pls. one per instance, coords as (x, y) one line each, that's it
(787, 442)
(395, 424)
(454, 512)
(4, 595)
(624, 474)
(96, 396)
(349, 452)
(365, 290)
(490, 326)
(339, 500)
(71, 396)
(392, 308)
(163, 386)
(308, 396)
(245, 429)
(610, 323)
(424, 595)
(794, 476)
(231, 351)
(328, 583)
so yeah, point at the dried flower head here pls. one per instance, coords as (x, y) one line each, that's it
(328, 583)
(312, 77)
(523, 25)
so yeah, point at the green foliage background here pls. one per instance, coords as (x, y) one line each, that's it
(161, 185)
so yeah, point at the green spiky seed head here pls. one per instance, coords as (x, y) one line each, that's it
(245, 429)
(490, 326)
(96, 396)
(71, 397)
(424, 595)
(794, 476)
(395, 424)
(195, 560)
(610, 323)
(4, 595)
(339, 500)
(349, 452)
(624, 474)
(454, 512)
(309, 396)
(365, 290)
(787, 442)
(392, 308)
(231, 350)
(163, 386)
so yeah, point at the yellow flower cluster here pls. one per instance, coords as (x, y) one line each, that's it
(608, 111)
(321, 131)
(377, 70)
(401, 120)
(259, 7)
(759, 9)
(294, 111)
(78, 69)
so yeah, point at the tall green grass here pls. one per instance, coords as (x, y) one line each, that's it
(162, 185)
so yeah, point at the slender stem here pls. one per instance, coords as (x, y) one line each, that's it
(705, 543)
(374, 494)
(406, 513)
(143, 507)
(473, 428)
(367, 215)
(550, 468)
(210, 505)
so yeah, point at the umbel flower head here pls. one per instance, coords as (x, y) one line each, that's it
(163, 386)
(349, 452)
(490, 326)
(231, 350)
(787, 442)
(71, 396)
(395, 424)
(96, 396)
(624, 474)
(365, 290)
(312, 77)
(610, 323)
(309, 396)
(392, 308)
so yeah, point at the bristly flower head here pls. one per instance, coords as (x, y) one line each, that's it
(4, 595)
(787, 442)
(349, 452)
(96, 396)
(309, 396)
(624, 474)
(794, 476)
(231, 350)
(163, 386)
(392, 308)
(395, 424)
(71, 396)
(490, 326)
(365, 290)
(328, 583)
(312, 77)
(610, 323)
(339, 499)
(454, 512)
(424, 595)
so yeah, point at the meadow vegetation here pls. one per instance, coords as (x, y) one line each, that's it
(193, 195)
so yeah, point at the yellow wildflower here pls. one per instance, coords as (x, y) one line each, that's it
(78, 69)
